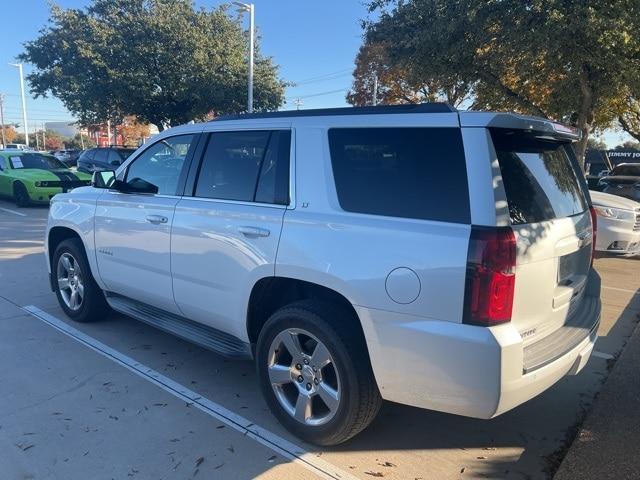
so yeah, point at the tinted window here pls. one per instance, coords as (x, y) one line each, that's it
(124, 153)
(162, 163)
(539, 177)
(101, 155)
(87, 155)
(401, 172)
(114, 158)
(626, 170)
(246, 166)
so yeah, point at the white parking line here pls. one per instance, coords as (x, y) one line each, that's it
(606, 356)
(13, 211)
(635, 292)
(269, 439)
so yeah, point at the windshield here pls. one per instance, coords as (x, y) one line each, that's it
(36, 160)
(540, 180)
(627, 170)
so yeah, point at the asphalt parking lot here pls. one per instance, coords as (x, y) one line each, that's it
(119, 399)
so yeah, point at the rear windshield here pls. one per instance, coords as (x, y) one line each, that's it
(627, 170)
(401, 172)
(539, 177)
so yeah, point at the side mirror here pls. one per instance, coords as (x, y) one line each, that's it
(103, 179)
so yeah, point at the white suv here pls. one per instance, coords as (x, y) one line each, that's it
(416, 254)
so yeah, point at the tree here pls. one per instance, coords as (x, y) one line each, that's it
(132, 131)
(395, 83)
(77, 144)
(569, 61)
(629, 117)
(628, 145)
(9, 133)
(160, 60)
(596, 144)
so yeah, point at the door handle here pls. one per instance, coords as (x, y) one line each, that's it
(156, 219)
(254, 231)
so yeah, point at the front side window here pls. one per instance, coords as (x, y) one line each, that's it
(114, 158)
(249, 166)
(161, 164)
(401, 172)
(626, 170)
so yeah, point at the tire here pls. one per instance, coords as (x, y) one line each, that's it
(91, 304)
(21, 195)
(348, 373)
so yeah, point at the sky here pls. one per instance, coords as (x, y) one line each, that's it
(313, 42)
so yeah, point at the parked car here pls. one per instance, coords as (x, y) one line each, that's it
(321, 244)
(32, 177)
(618, 224)
(68, 157)
(623, 180)
(16, 146)
(103, 158)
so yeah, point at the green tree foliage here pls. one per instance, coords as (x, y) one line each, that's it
(565, 60)
(596, 144)
(160, 60)
(629, 118)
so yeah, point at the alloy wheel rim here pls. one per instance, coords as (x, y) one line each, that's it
(304, 377)
(70, 281)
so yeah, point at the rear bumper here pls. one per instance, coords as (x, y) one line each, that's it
(462, 369)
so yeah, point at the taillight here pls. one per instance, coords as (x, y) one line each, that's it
(491, 276)
(594, 228)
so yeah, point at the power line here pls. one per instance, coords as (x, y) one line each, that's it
(324, 77)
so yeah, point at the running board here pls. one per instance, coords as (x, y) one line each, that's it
(198, 333)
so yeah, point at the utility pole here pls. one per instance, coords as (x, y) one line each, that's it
(35, 132)
(4, 140)
(24, 102)
(375, 89)
(250, 9)
(108, 131)
(298, 103)
(44, 135)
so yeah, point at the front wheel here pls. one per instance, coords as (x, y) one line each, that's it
(315, 373)
(20, 195)
(78, 294)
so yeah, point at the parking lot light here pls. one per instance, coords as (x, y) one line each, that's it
(24, 103)
(249, 8)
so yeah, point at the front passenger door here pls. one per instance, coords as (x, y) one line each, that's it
(132, 230)
(225, 236)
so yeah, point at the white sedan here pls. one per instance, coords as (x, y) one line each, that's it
(618, 224)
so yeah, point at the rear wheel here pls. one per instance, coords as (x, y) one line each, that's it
(315, 373)
(20, 195)
(78, 294)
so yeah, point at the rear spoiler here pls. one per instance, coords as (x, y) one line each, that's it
(540, 127)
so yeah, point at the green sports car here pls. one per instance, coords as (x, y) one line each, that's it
(33, 177)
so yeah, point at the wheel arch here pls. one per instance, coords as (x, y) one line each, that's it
(271, 293)
(55, 236)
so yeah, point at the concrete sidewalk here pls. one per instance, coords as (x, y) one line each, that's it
(608, 443)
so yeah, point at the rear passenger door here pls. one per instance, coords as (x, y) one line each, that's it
(225, 234)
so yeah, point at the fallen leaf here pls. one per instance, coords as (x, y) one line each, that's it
(375, 474)
(199, 461)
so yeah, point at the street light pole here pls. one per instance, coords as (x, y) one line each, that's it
(24, 102)
(4, 140)
(250, 9)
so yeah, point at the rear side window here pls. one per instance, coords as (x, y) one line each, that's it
(249, 166)
(87, 155)
(540, 179)
(401, 172)
(101, 155)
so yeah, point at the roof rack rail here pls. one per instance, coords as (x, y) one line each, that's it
(324, 112)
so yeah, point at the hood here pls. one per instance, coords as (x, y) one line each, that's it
(613, 201)
(60, 174)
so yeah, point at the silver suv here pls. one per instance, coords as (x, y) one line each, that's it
(417, 254)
